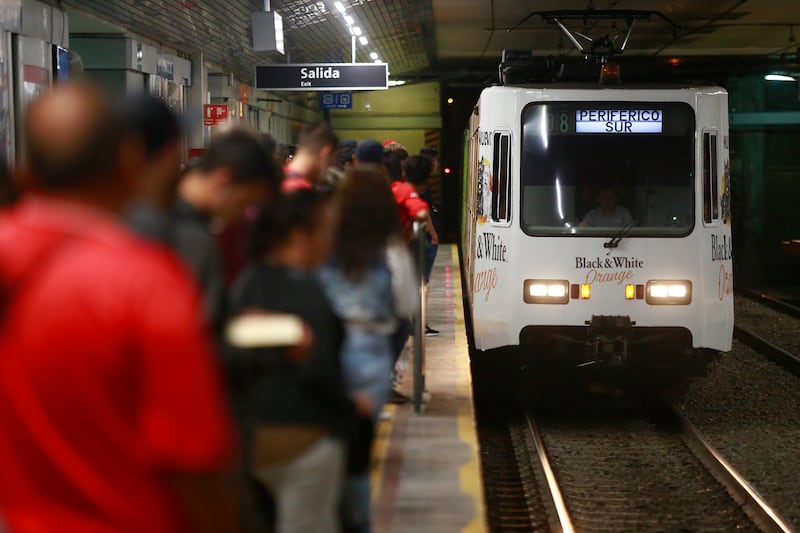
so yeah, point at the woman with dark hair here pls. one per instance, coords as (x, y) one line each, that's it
(295, 410)
(362, 282)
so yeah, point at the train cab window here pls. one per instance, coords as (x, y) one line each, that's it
(599, 168)
(710, 178)
(501, 178)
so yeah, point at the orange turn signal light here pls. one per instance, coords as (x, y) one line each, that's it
(586, 291)
(630, 292)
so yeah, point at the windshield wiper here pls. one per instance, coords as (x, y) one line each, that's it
(614, 242)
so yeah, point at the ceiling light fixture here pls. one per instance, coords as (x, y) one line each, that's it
(339, 6)
(779, 77)
(349, 20)
(363, 40)
(373, 55)
(396, 83)
(266, 28)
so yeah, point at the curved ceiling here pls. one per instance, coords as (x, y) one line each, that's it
(463, 39)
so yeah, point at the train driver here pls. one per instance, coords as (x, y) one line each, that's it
(607, 213)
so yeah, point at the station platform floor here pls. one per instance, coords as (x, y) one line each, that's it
(791, 247)
(426, 472)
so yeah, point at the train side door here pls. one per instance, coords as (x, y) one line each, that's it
(492, 232)
(717, 242)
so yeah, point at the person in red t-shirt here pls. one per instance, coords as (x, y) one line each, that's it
(416, 171)
(112, 407)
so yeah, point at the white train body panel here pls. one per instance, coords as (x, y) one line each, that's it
(537, 158)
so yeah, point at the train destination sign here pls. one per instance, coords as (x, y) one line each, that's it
(323, 77)
(618, 120)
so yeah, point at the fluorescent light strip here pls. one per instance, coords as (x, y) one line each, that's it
(355, 30)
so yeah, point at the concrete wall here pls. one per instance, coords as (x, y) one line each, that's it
(399, 113)
(766, 178)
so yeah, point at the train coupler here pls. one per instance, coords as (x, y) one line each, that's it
(609, 338)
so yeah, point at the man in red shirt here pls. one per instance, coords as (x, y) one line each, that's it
(113, 414)
(416, 171)
(316, 152)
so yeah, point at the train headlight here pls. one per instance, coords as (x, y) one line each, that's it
(546, 291)
(668, 292)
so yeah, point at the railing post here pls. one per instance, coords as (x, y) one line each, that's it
(419, 318)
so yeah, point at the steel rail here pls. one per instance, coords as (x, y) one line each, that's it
(565, 522)
(787, 360)
(770, 301)
(778, 355)
(762, 514)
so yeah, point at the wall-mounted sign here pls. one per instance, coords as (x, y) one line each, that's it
(214, 114)
(323, 77)
(336, 101)
(165, 67)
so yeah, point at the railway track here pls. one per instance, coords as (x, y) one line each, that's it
(623, 473)
(747, 407)
(761, 344)
(583, 493)
(619, 465)
(510, 488)
(768, 300)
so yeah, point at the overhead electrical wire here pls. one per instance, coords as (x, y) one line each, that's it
(491, 31)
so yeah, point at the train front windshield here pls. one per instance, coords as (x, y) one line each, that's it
(592, 168)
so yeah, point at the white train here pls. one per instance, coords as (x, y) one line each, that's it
(645, 284)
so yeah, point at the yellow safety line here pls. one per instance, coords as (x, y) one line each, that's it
(380, 448)
(469, 473)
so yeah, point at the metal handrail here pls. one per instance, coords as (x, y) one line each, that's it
(418, 318)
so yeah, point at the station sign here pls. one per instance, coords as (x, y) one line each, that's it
(336, 101)
(323, 77)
